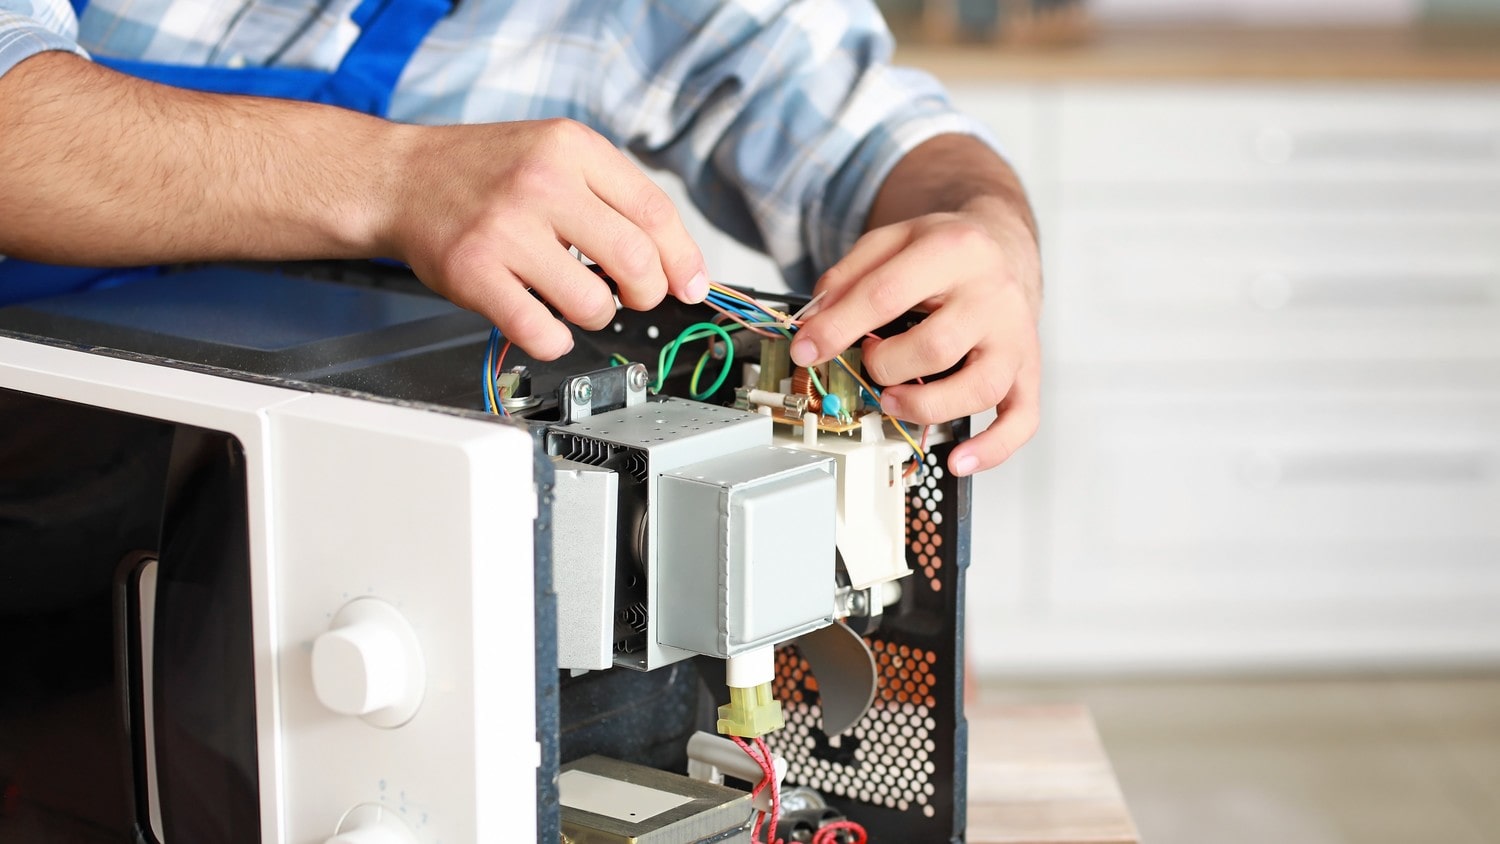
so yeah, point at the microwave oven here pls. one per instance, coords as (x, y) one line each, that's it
(270, 571)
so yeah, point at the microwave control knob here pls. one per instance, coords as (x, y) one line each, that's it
(371, 824)
(369, 664)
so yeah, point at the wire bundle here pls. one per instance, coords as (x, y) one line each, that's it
(761, 754)
(494, 358)
(747, 313)
(766, 321)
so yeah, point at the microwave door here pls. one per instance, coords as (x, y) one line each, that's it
(192, 657)
(126, 695)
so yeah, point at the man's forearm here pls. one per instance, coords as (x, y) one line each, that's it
(959, 174)
(103, 169)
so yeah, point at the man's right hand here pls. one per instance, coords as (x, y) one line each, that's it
(491, 210)
(104, 169)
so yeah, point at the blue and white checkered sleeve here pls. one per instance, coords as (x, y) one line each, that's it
(782, 117)
(28, 27)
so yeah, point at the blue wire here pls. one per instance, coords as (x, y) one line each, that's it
(492, 348)
(489, 359)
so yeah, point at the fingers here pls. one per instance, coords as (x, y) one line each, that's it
(932, 346)
(1015, 423)
(870, 251)
(577, 293)
(521, 317)
(983, 383)
(895, 287)
(622, 186)
(618, 245)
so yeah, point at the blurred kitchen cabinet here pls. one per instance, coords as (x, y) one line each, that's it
(1271, 435)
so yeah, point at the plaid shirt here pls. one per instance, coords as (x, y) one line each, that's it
(783, 117)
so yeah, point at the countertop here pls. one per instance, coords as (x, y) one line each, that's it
(1038, 774)
(1223, 53)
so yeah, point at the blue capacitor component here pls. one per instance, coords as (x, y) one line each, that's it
(832, 406)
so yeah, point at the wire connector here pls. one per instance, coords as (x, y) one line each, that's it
(751, 712)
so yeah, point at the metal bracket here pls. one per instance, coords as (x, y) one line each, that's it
(611, 388)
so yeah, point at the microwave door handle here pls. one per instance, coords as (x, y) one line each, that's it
(135, 630)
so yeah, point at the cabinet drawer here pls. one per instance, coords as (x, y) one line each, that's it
(1275, 500)
(1199, 133)
(1181, 286)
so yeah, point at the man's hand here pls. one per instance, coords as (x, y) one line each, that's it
(490, 211)
(105, 169)
(974, 269)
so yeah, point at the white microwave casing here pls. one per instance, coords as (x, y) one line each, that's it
(352, 498)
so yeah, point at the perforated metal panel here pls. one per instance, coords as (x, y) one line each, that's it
(901, 770)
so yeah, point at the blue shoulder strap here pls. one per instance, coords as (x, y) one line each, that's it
(390, 32)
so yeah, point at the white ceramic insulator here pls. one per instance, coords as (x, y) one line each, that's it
(766, 398)
(890, 593)
(751, 669)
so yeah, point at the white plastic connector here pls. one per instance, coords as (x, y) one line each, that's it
(751, 669)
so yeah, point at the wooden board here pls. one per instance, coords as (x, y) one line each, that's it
(1166, 53)
(1038, 774)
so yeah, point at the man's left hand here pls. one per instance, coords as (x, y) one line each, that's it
(977, 275)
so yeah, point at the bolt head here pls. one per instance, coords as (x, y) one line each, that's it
(637, 377)
(583, 390)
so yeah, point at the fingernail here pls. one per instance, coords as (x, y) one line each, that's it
(890, 404)
(965, 465)
(804, 352)
(697, 289)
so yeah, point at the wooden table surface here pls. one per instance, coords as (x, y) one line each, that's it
(1038, 774)
(1191, 53)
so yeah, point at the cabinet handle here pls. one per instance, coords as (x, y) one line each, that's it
(1275, 145)
(1273, 291)
(1267, 470)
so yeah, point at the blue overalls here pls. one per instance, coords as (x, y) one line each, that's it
(390, 32)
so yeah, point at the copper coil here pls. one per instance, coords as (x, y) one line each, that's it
(802, 385)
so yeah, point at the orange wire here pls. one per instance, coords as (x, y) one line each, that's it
(499, 368)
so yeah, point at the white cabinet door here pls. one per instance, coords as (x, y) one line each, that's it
(1225, 134)
(1271, 434)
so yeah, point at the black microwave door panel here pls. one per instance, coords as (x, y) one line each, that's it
(85, 494)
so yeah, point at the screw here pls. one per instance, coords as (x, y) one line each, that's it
(583, 391)
(638, 377)
(859, 604)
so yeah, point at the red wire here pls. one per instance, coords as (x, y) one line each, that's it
(760, 786)
(827, 835)
(770, 769)
(830, 833)
(499, 368)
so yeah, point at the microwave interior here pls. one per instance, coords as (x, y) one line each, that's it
(127, 693)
